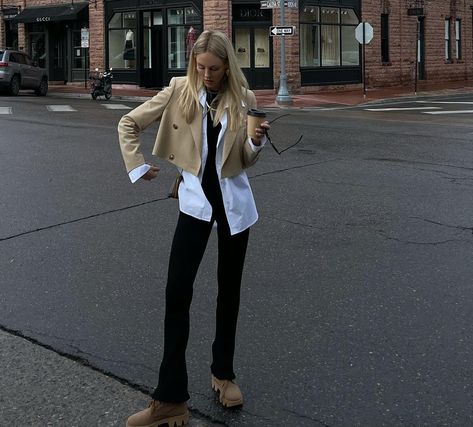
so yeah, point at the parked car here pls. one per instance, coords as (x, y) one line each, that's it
(18, 71)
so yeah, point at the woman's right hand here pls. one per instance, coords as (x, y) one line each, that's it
(151, 174)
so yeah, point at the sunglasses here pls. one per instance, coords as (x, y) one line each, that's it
(271, 142)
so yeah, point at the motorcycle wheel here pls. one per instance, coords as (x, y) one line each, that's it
(108, 95)
(94, 95)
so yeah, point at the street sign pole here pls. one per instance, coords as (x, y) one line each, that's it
(364, 62)
(417, 57)
(283, 95)
(363, 35)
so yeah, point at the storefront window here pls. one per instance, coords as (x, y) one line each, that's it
(261, 48)
(38, 49)
(121, 40)
(327, 37)
(78, 58)
(242, 47)
(182, 33)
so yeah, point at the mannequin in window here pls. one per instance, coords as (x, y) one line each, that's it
(129, 50)
(191, 37)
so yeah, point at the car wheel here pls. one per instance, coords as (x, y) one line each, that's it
(15, 85)
(42, 89)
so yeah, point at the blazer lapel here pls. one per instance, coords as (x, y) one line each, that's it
(196, 130)
(228, 142)
(230, 138)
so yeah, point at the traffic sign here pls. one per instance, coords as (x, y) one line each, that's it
(84, 37)
(282, 30)
(276, 4)
(368, 29)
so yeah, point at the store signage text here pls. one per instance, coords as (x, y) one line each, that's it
(251, 13)
(43, 19)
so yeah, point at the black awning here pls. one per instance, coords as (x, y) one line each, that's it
(64, 12)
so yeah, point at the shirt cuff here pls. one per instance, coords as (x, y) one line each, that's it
(138, 172)
(257, 148)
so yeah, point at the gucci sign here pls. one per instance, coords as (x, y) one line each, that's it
(43, 19)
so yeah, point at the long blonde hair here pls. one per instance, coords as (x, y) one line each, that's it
(233, 85)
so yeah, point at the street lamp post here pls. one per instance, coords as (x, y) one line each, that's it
(283, 95)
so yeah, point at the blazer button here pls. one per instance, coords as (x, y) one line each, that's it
(171, 157)
(175, 126)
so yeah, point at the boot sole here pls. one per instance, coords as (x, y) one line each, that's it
(225, 402)
(178, 421)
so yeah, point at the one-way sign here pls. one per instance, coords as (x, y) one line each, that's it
(282, 31)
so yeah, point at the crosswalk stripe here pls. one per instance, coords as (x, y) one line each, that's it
(116, 106)
(402, 108)
(60, 108)
(449, 112)
(5, 110)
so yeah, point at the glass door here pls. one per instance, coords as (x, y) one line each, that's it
(152, 65)
(253, 51)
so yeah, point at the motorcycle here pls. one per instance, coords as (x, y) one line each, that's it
(100, 84)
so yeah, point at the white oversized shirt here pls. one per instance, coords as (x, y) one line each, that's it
(238, 200)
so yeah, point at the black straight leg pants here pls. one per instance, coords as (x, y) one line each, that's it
(188, 247)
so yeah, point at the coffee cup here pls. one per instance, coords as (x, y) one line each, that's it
(254, 120)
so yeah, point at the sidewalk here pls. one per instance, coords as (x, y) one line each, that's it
(267, 98)
(41, 388)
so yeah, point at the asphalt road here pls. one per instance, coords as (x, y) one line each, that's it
(357, 297)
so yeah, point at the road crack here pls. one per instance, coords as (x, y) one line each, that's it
(457, 227)
(84, 218)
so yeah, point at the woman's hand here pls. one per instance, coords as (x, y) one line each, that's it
(151, 174)
(261, 132)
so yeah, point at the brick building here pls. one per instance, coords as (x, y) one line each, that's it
(148, 41)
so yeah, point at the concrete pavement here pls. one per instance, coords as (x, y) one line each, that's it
(42, 388)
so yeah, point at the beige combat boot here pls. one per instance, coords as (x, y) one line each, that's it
(228, 392)
(160, 413)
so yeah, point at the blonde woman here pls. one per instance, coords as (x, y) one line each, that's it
(203, 132)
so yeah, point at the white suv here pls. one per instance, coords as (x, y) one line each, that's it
(17, 71)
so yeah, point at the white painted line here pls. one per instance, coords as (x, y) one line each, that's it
(5, 110)
(402, 108)
(450, 112)
(116, 106)
(60, 108)
(445, 102)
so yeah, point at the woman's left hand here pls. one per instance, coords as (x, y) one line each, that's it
(261, 132)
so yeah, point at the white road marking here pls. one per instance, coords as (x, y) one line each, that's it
(402, 108)
(5, 110)
(450, 112)
(445, 102)
(60, 108)
(116, 106)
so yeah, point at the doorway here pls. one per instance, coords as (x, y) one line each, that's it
(152, 75)
(254, 53)
(57, 37)
(152, 46)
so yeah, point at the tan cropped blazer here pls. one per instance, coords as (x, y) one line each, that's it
(180, 142)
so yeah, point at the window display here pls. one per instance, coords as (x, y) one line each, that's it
(261, 48)
(182, 34)
(121, 40)
(242, 47)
